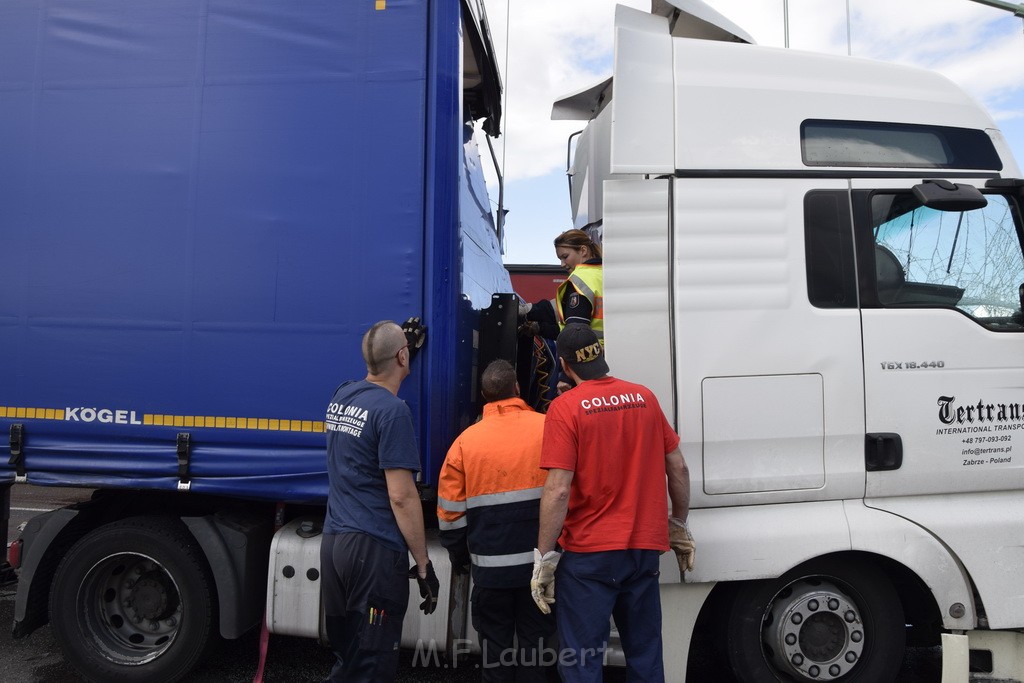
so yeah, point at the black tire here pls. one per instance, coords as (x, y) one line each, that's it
(832, 619)
(133, 601)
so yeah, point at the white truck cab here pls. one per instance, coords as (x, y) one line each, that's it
(816, 263)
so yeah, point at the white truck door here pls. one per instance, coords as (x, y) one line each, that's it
(768, 389)
(944, 380)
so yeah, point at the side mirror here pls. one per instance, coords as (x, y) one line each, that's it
(943, 195)
(1013, 184)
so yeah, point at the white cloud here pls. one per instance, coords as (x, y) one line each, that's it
(560, 46)
(563, 45)
(556, 48)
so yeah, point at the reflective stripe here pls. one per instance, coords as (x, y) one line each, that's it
(504, 497)
(588, 280)
(583, 288)
(460, 523)
(451, 505)
(502, 560)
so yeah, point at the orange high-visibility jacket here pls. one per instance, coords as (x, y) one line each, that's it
(488, 496)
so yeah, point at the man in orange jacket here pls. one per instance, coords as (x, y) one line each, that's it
(488, 510)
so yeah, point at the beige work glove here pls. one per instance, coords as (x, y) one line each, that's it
(682, 543)
(542, 585)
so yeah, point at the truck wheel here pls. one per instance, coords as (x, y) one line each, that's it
(132, 601)
(829, 620)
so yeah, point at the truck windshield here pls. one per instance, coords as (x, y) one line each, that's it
(970, 260)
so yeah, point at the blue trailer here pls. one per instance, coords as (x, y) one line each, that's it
(203, 206)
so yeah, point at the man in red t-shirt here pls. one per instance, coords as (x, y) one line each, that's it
(608, 449)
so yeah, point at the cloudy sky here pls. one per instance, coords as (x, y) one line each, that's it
(554, 47)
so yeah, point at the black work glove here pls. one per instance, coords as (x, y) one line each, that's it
(529, 329)
(429, 587)
(460, 559)
(415, 335)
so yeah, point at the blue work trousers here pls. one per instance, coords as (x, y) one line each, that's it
(592, 587)
(365, 588)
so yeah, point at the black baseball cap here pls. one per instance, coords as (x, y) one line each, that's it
(582, 351)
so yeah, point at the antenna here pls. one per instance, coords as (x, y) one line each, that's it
(785, 22)
(504, 142)
(849, 30)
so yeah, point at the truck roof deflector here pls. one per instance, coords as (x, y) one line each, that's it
(696, 19)
(688, 18)
(584, 104)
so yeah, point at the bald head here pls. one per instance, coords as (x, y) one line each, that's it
(381, 345)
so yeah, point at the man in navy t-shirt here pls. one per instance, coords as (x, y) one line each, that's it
(374, 514)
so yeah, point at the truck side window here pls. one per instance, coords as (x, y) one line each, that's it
(968, 260)
(828, 245)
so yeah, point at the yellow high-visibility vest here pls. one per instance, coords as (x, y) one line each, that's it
(588, 281)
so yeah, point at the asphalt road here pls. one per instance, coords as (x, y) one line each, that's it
(28, 501)
(37, 658)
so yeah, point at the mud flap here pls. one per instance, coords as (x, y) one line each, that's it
(954, 658)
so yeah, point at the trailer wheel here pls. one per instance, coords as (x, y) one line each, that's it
(132, 601)
(829, 620)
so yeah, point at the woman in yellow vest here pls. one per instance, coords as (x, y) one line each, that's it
(580, 299)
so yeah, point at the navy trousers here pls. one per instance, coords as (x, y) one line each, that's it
(503, 615)
(365, 589)
(592, 587)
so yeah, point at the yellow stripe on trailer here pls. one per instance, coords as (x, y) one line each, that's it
(160, 420)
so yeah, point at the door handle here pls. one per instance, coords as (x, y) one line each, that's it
(883, 451)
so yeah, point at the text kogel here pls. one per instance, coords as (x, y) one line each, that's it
(103, 415)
